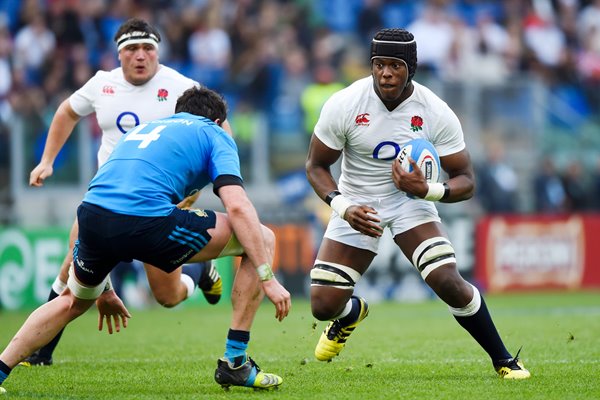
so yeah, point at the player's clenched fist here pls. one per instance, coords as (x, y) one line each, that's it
(39, 174)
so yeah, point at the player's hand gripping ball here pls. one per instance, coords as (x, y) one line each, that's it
(427, 158)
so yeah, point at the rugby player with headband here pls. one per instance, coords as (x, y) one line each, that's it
(140, 90)
(372, 194)
(138, 37)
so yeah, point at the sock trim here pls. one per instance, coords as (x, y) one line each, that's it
(471, 308)
(240, 336)
(189, 283)
(58, 286)
(346, 310)
(4, 372)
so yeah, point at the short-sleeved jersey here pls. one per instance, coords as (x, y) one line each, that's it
(356, 121)
(120, 105)
(158, 164)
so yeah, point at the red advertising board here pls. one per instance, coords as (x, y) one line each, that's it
(538, 252)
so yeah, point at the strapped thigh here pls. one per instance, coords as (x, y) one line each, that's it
(85, 292)
(433, 253)
(325, 273)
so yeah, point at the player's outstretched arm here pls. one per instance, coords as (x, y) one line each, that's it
(248, 230)
(110, 307)
(62, 125)
(279, 296)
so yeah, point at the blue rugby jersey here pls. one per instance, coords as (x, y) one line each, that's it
(156, 165)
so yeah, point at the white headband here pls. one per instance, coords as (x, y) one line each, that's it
(137, 37)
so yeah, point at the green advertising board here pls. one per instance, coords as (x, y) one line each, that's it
(31, 258)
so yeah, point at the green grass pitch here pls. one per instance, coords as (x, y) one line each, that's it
(401, 351)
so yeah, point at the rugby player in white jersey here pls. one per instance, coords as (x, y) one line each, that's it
(140, 90)
(368, 122)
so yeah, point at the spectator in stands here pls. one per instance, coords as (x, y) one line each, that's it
(576, 190)
(34, 44)
(497, 182)
(5, 68)
(435, 35)
(594, 194)
(545, 41)
(550, 196)
(479, 53)
(314, 95)
(210, 50)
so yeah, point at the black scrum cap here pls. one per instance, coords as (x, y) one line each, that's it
(396, 43)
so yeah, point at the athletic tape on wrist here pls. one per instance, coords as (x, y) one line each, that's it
(340, 204)
(435, 192)
(265, 272)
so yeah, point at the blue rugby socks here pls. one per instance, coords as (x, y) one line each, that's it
(236, 345)
(4, 372)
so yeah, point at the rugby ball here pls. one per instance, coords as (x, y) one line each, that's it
(427, 158)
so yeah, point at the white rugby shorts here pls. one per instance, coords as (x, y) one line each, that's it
(398, 213)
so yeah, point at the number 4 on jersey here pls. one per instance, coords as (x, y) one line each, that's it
(145, 138)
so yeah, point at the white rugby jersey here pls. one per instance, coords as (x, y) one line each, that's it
(120, 105)
(356, 121)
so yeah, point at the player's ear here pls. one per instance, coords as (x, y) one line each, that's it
(218, 122)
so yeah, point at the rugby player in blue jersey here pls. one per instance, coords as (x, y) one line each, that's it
(141, 89)
(129, 212)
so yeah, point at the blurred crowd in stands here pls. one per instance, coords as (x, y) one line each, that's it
(554, 191)
(282, 58)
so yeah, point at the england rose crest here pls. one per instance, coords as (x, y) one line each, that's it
(162, 94)
(416, 123)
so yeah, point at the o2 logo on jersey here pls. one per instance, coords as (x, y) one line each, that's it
(127, 120)
(386, 151)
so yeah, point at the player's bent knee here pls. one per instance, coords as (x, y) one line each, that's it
(433, 253)
(326, 309)
(165, 300)
(269, 237)
(165, 294)
(326, 304)
(166, 303)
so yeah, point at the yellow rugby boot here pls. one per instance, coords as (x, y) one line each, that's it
(333, 339)
(512, 368)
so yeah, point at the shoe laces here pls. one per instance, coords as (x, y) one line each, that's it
(254, 364)
(513, 363)
(515, 360)
(335, 330)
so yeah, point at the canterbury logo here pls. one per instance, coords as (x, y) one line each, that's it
(107, 89)
(362, 119)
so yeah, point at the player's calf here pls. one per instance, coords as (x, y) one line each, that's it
(334, 337)
(336, 333)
